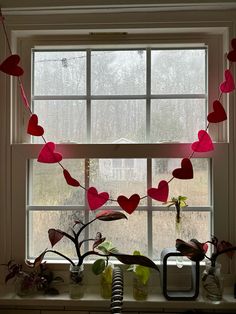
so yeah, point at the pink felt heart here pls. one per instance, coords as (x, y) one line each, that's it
(186, 170)
(161, 193)
(47, 154)
(232, 54)
(128, 204)
(228, 85)
(69, 179)
(204, 144)
(10, 66)
(33, 127)
(96, 199)
(218, 113)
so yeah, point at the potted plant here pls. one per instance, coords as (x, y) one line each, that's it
(212, 280)
(140, 280)
(103, 268)
(28, 281)
(76, 268)
(179, 202)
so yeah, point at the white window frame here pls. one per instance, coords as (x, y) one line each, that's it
(22, 152)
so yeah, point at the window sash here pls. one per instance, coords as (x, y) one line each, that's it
(148, 96)
(22, 153)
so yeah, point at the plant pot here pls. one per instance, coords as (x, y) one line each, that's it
(212, 283)
(76, 284)
(140, 290)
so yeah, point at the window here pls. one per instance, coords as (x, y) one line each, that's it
(123, 117)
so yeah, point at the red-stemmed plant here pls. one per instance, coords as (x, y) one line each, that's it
(196, 251)
(55, 235)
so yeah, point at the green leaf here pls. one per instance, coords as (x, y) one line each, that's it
(98, 266)
(143, 273)
(107, 247)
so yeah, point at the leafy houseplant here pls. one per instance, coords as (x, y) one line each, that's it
(140, 282)
(55, 235)
(196, 251)
(28, 282)
(103, 268)
(212, 280)
(179, 202)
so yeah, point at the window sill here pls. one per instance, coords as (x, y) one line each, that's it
(93, 301)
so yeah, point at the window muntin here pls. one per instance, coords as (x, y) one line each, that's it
(140, 115)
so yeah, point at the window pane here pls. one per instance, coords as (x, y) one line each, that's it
(179, 71)
(194, 225)
(119, 181)
(118, 121)
(41, 221)
(196, 190)
(118, 72)
(48, 186)
(177, 120)
(63, 121)
(59, 72)
(126, 235)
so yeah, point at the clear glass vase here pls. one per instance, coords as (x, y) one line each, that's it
(76, 284)
(106, 282)
(140, 290)
(212, 283)
(25, 286)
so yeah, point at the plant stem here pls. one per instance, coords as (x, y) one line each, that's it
(62, 255)
(215, 255)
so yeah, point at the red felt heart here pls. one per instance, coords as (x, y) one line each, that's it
(204, 144)
(10, 66)
(33, 127)
(186, 170)
(128, 204)
(96, 199)
(161, 193)
(232, 54)
(228, 85)
(47, 154)
(69, 179)
(218, 113)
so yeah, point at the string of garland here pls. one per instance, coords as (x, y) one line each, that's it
(48, 153)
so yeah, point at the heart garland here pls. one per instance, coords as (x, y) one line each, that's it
(228, 85)
(186, 170)
(218, 114)
(69, 179)
(48, 155)
(10, 66)
(204, 144)
(95, 200)
(128, 204)
(232, 54)
(161, 193)
(33, 127)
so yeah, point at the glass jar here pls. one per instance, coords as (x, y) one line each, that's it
(25, 286)
(212, 283)
(76, 284)
(140, 290)
(106, 282)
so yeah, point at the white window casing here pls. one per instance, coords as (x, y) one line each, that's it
(16, 155)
